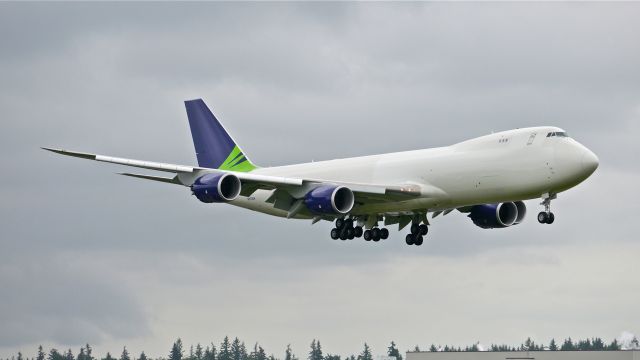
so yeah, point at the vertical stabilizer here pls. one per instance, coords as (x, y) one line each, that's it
(215, 148)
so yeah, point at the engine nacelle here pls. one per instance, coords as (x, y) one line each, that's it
(489, 216)
(211, 188)
(329, 199)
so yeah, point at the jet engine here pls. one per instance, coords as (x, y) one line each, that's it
(329, 199)
(489, 216)
(211, 188)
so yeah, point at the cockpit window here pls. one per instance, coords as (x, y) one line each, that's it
(558, 134)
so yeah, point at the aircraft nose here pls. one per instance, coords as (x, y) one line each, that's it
(590, 161)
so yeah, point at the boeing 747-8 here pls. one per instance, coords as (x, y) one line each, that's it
(486, 177)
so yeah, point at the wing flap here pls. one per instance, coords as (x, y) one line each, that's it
(173, 180)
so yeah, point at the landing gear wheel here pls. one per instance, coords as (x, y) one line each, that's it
(334, 234)
(340, 223)
(375, 234)
(415, 229)
(409, 239)
(418, 240)
(343, 236)
(550, 218)
(367, 235)
(543, 217)
(350, 233)
(384, 234)
(424, 229)
(358, 231)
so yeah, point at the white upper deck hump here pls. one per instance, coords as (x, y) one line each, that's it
(493, 140)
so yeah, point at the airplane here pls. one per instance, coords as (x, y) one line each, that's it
(487, 178)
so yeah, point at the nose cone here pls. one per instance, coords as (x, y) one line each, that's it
(589, 161)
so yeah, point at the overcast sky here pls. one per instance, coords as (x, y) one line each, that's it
(90, 256)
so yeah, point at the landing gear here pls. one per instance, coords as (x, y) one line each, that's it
(546, 216)
(418, 231)
(345, 230)
(375, 234)
(358, 231)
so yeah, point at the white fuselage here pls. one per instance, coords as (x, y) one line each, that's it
(506, 166)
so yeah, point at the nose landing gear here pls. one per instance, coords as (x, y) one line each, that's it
(546, 216)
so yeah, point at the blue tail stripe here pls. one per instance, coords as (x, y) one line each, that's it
(212, 142)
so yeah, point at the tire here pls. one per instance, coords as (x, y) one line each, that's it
(358, 231)
(334, 234)
(343, 237)
(367, 235)
(350, 233)
(424, 229)
(375, 234)
(349, 223)
(415, 229)
(551, 218)
(339, 223)
(419, 239)
(409, 239)
(384, 234)
(542, 217)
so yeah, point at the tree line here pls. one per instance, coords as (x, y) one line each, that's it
(237, 350)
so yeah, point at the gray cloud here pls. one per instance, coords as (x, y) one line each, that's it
(294, 83)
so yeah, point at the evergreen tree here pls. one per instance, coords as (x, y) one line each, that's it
(81, 354)
(243, 351)
(40, 353)
(392, 350)
(567, 345)
(210, 353)
(553, 346)
(143, 356)
(366, 353)
(597, 344)
(236, 353)
(614, 345)
(433, 348)
(125, 354)
(20, 356)
(88, 352)
(54, 355)
(261, 355)
(108, 357)
(416, 348)
(288, 354)
(69, 355)
(316, 350)
(225, 350)
(199, 353)
(176, 350)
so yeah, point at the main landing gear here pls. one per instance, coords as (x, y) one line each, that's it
(345, 230)
(546, 216)
(416, 237)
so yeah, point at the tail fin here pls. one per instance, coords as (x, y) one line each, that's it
(215, 148)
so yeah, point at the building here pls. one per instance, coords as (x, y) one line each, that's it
(526, 355)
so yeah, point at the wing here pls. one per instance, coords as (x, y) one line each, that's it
(287, 190)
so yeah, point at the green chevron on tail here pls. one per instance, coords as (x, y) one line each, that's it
(236, 161)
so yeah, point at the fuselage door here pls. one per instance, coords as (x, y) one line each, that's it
(531, 138)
